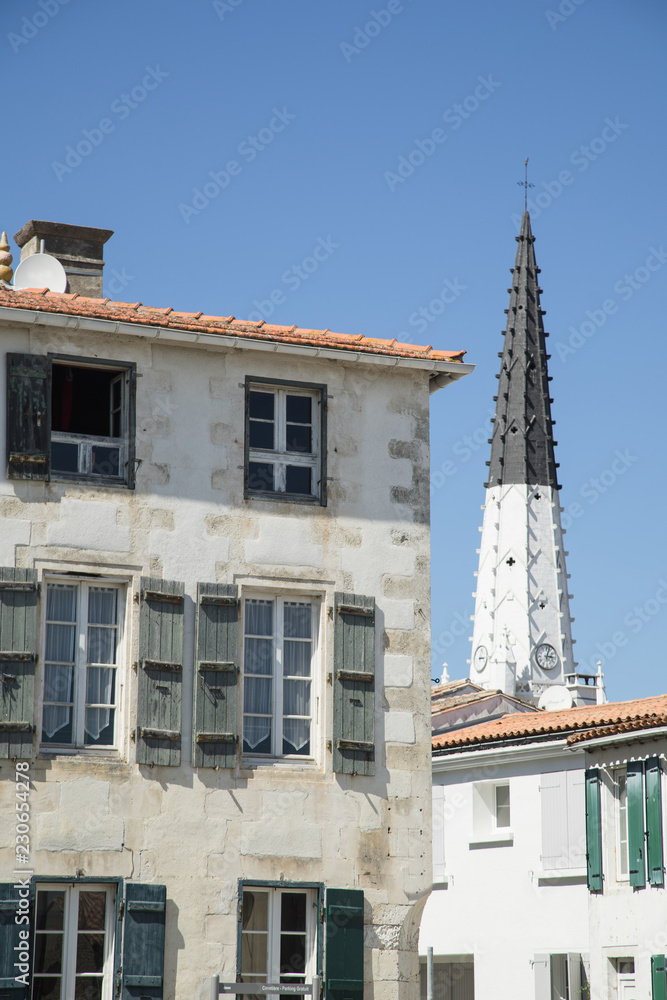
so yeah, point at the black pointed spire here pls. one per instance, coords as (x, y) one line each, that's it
(522, 447)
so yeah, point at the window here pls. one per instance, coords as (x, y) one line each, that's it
(285, 440)
(82, 641)
(563, 808)
(279, 645)
(278, 935)
(453, 978)
(502, 807)
(70, 418)
(621, 803)
(89, 420)
(491, 812)
(73, 950)
(562, 977)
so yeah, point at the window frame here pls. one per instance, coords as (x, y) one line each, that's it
(315, 932)
(318, 391)
(316, 602)
(112, 887)
(619, 775)
(498, 829)
(123, 585)
(126, 443)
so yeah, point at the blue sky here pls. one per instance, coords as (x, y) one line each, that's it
(298, 115)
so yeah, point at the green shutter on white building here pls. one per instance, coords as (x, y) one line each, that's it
(593, 831)
(344, 945)
(142, 973)
(18, 648)
(216, 676)
(654, 837)
(160, 670)
(635, 811)
(354, 684)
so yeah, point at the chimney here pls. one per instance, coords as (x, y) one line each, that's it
(78, 248)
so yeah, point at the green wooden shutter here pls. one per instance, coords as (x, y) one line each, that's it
(10, 989)
(160, 672)
(658, 978)
(593, 831)
(143, 942)
(635, 803)
(344, 947)
(28, 416)
(354, 684)
(216, 675)
(654, 855)
(18, 646)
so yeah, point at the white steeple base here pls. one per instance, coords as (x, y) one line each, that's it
(522, 641)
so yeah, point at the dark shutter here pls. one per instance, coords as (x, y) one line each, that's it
(131, 426)
(658, 978)
(18, 644)
(635, 812)
(28, 416)
(160, 672)
(593, 831)
(10, 988)
(143, 942)
(654, 855)
(344, 947)
(354, 684)
(216, 675)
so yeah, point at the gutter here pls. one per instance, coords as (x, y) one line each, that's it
(467, 759)
(443, 372)
(637, 735)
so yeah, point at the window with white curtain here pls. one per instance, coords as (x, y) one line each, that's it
(82, 642)
(278, 654)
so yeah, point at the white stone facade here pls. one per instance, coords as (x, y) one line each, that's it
(97, 813)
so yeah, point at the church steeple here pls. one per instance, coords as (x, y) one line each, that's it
(522, 443)
(522, 640)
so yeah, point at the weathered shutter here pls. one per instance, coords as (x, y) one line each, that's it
(28, 416)
(344, 948)
(216, 675)
(142, 973)
(10, 940)
(542, 969)
(654, 854)
(576, 980)
(354, 684)
(658, 978)
(160, 672)
(438, 824)
(131, 427)
(593, 831)
(553, 802)
(576, 819)
(18, 645)
(635, 812)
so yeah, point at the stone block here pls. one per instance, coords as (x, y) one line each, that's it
(399, 727)
(398, 670)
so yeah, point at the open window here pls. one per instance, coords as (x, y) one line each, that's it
(278, 935)
(70, 418)
(285, 441)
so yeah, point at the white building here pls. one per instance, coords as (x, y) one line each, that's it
(543, 887)
(215, 648)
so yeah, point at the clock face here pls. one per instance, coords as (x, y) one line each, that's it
(546, 656)
(481, 657)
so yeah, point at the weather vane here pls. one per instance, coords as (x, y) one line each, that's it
(524, 184)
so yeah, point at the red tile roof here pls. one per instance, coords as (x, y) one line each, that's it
(586, 722)
(42, 300)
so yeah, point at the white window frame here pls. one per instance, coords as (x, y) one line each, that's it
(70, 935)
(273, 974)
(485, 829)
(86, 442)
(279, 601)
(123, 586)
(279, 457)
(619, 778)
(508, 826)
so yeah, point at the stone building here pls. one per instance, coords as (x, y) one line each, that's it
(214, 634)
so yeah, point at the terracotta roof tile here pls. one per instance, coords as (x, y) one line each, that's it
(593, 720)
(42, 300)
